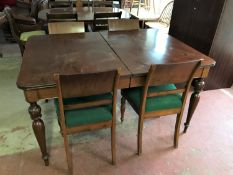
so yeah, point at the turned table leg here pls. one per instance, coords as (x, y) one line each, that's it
(198, 85)
(39, 129)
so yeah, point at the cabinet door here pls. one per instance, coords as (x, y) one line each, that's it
(221, 75)
(195, 21)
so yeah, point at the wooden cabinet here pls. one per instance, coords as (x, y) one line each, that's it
(207, 26)
(221, 76)
(195, 21)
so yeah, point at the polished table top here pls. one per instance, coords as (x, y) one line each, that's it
(84, 13)
(139, 49)
(131, 51)
(65, 54)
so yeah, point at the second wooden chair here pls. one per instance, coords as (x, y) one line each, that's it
(159, 96)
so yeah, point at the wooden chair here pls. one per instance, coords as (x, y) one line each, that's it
(101, 20)
(21, 35)
(123, 24)
(163, 21)
(60, 4)
(102, 3)
(159, 96)
(86, 102)
(66, 27)
(62, 17)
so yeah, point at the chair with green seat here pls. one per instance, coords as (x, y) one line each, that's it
(86, 102)
(159, 96)
(21, 35)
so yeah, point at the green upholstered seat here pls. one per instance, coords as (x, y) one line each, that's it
(134, 95)
(85, 116)
(26, 35)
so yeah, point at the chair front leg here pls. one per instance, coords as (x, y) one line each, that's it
(113, 144)
(68, 154)
(139, 141)
(122, 108)
(177, 130)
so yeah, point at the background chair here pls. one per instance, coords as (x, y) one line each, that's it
(66, 27)
(123, 24)
(94, 106)
(62, 17)
(25, 14)
(163, 21)
(102, 3)
(156, 101)
(20, 34)
(60, 4)
(101, 20)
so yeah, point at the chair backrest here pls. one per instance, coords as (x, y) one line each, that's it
(165, 16)
(123, 24)
(101, 20)
(62, 17)
(102, 3)
(80, 85)
(15, 31)
(178, 73)
(60, 4)
(66, 27)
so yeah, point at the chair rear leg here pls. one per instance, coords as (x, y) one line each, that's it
(139, 141)
(68, 154)
(177, 130)
(113, 144)
(122, 108)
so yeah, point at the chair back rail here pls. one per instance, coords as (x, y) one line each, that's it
(102, 3)
(123, 24)
(101, 20)
(66, 27)
(80, 85)
(62, 17)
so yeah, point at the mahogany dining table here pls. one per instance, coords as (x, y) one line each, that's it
(85, 14)
(132, 52)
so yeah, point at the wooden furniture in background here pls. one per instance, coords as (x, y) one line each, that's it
(85, 14)
(87, 102)
(159, 97)
(131, 52)
(102, 3)
(59, 4)
(20, 34)
(62, 17)
(221, 76)
(163, 21)
(66, 27)
(123, 24)
(101, 20)
(195, 22)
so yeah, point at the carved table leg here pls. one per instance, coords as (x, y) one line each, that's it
(198, 85)
(39, 129)
(122, 108)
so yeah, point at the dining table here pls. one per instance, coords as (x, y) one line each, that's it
(131, 52)
(85, 14)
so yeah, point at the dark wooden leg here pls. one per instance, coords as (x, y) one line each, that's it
(39, 129)
(140, 127)
(122, 108)
(198, 85)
